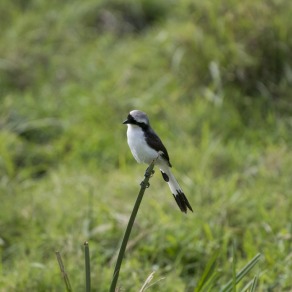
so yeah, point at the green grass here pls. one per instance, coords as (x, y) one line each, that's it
(215, 80)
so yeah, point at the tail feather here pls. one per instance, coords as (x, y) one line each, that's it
(176, 190)
(182, 201)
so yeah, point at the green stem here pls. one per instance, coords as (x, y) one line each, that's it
(144, 185)
(87, 267)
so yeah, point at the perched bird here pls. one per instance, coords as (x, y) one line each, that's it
(146, 146)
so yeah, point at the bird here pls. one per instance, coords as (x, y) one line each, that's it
(146, 146)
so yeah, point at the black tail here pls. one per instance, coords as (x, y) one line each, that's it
(182, 201)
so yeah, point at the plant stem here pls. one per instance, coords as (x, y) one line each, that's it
(87, 267)
(144, 184)
(64, 274)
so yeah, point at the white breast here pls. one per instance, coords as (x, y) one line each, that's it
(139, 148)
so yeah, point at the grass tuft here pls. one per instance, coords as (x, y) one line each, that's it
(215, 79)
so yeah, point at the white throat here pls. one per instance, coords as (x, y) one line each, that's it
(138, 145)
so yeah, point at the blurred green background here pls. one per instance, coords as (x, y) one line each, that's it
(215, 79)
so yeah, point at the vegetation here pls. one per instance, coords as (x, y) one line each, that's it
(215, 79)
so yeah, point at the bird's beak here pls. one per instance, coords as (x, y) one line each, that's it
(126, 122)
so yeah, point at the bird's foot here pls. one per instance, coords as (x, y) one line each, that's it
(145, 185)
(149, 173)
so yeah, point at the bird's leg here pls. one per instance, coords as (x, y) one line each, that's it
(148, 174)
(145, 185)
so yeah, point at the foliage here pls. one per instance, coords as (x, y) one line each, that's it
(215, 79)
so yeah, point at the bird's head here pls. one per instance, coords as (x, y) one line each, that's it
(136, 117)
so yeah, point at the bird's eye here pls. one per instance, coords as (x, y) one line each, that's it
(131, 119)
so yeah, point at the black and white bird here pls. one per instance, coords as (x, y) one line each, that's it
(146, 146)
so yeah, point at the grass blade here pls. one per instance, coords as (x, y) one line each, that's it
(254, 284)
(208, 275)
(63, 272)
(233, 267)
(148, 280)
(241, 274)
